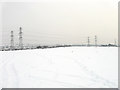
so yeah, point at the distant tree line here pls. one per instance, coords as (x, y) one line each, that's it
(43, 47)
(109, 45)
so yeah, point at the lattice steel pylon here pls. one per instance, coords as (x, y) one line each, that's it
(12, 41)
(20, 39)
(115, 42)
(95, 40)
(88, 41)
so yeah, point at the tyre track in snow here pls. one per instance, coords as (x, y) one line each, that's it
(6, 67)
(61, 83)
(57, 77)
(94, 77)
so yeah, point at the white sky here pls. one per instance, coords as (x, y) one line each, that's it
(60, 21)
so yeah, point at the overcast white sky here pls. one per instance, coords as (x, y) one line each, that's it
(60, 21)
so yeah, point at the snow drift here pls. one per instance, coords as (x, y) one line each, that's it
(65, 67)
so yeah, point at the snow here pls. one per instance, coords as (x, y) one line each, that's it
(65, 67)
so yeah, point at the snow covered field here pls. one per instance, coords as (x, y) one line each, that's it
(70, 67)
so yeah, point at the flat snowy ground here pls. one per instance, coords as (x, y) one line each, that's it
(70, 67)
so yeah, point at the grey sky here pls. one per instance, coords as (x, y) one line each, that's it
(61, 22)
